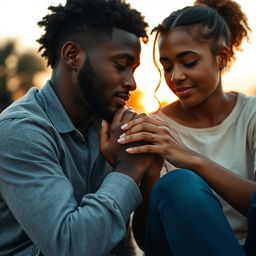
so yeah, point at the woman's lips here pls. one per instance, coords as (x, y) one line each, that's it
(182, 92)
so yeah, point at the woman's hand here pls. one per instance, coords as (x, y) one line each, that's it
(160, 138)
(135, 165)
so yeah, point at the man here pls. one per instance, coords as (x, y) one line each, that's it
(58, 196)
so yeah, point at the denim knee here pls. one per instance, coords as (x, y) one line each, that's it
(185, 211)
(181, 185)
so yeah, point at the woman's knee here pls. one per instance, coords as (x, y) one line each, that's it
(180, 184)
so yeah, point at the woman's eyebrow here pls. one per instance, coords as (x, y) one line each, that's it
(178, 56)
(182, 54)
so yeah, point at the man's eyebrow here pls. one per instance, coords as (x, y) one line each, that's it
(126, 56)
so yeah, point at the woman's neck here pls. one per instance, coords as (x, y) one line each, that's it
(209, 113)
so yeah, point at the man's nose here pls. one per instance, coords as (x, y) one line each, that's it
(130, 83)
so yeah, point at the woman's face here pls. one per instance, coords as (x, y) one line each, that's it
(190, 69)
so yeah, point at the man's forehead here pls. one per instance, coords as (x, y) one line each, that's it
(123, 36)
(121, 43)
(121, 39)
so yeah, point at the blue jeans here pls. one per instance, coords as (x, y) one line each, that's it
(186, 219)
(250, 242)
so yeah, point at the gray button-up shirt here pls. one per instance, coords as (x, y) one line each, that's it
(57, 193)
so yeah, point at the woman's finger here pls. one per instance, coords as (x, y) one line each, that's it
(140, 120)
(142, 127)
(161, 131)
(140, 136)
(144, 149)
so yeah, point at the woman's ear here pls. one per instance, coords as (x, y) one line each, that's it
(72, 55)
(222, 57)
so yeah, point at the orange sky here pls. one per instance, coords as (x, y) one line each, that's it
(19, 19)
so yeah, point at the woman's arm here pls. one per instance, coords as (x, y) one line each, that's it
(163, 141)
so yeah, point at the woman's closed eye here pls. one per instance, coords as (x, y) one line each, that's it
(190, 64)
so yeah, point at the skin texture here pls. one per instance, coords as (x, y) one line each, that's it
(71, 74)
(102, 75)
(118, 60)
(193, 73)
(189, 67)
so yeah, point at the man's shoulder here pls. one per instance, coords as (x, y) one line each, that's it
(24, 110)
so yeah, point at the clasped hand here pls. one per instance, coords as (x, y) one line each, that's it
(159, 139)
(134, 165)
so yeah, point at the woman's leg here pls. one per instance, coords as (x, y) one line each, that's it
(186, 219)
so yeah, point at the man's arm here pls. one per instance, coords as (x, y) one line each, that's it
(140, 214)
(41, 197)
(145, 171)
(236, 190)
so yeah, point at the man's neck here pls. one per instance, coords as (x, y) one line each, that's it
(74, 104)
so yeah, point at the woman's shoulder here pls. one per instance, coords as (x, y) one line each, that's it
(170, 114)
(171, 110)
(246, 102)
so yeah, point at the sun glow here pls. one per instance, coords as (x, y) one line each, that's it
(241, 77)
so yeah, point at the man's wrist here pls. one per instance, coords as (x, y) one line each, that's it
(131, 169)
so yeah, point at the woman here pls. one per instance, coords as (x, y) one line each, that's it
(196, 44)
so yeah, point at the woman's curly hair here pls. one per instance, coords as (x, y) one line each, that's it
(89, 18)
(236, 20)
(217, 19)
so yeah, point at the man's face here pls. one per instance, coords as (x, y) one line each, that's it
(106, 77)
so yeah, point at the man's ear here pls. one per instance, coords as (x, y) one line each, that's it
(223, 57)
(72, 55)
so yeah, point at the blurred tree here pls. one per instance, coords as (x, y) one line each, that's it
(28, 65)
(17, 71)
(5, 95)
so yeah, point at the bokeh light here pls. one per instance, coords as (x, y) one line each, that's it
(19, 19)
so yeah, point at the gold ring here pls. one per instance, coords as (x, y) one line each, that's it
(153, 135)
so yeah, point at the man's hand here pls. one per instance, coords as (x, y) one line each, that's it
(134, 165)
(110, 133)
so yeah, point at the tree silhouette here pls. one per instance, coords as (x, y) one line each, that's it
(5, 95)
(17, 72)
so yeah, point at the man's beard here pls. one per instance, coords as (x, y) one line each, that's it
(91, 88)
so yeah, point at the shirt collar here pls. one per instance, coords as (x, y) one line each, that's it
(54, 109)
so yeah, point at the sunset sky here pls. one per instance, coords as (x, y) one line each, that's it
(18, 20)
